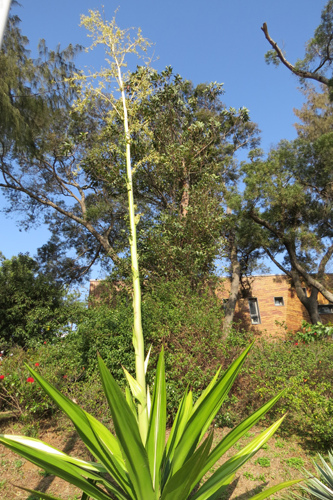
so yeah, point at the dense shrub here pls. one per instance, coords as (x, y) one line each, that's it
(188, 323)
(305, 371)
(33, 304)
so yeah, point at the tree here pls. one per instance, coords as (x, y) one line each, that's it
(289, 195)
(183, 142)
(316, 65)
(243, 251)
(316, 114)
(189, 162)
(32, 305)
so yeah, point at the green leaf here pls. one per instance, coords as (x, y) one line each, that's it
(128, 435)
(135, 387)
(213, 484)
(233, 436)
(84, 425)
(207, 390)
(183, 413)
(36, 444)
(205, 412)
(55, 464)
(274, 489)
(179, 485)
(44, 496)
(130, 402)
(157, 424)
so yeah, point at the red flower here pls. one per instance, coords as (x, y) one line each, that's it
(65, 376)
(31, 380)
(45, 342)
(36, 364)
(315, 333)
(2, 377)
(296, 343)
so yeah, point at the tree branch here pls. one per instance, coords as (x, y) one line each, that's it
(283, 269)
(298, 72)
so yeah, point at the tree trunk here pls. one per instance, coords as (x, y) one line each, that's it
(310, 303)
(185, 201)
(234, 285)
(233, 295)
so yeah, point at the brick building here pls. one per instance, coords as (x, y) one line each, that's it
(263, 301)
(267, 299)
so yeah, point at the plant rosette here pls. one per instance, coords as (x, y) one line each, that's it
(150, 469)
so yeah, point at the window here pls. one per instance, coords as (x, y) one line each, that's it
(278, 301)
(254, 311)
(325, 308)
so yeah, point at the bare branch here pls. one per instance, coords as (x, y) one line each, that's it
(298, 72)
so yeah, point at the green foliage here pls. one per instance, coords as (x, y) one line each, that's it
(157, 468)
(34, 307)
(142, 464)
(26, 398)
(305, 371)
(312, 333)
(295, 462)
(286, 196)
(263, 462)
(107, 331)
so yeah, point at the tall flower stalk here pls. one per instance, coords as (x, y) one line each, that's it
(118, 44)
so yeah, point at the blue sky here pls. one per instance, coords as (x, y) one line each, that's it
(219, 40)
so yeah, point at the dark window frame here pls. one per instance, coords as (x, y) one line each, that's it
(325, 308)
(254, 311)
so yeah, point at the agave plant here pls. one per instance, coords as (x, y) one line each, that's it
(321, 488)
(156, 468)
(137, 462)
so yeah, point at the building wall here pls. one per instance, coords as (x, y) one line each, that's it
(265, 288)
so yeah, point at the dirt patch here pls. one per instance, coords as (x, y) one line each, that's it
(280, 460)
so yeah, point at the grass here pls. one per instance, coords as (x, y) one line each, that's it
(263, 462)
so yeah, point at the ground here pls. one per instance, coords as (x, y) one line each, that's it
(281, 459)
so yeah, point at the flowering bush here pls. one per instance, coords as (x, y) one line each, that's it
(20, 394)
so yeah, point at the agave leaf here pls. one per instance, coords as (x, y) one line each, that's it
(157, 424)
(135, 387)
(179, 485)
(318, 489)
(148, 401)
(147, 360)
(36, 444)
(106, 438)
(274, 489)
(128, 435)
(201, 419)
(55, 464)
(235, 435)
(212, 485)
(222, 487)
(325, 471)
(40, 495)
(183, 413)
(207, 390)
(82, 423)
(130, 402)
(182, 416)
